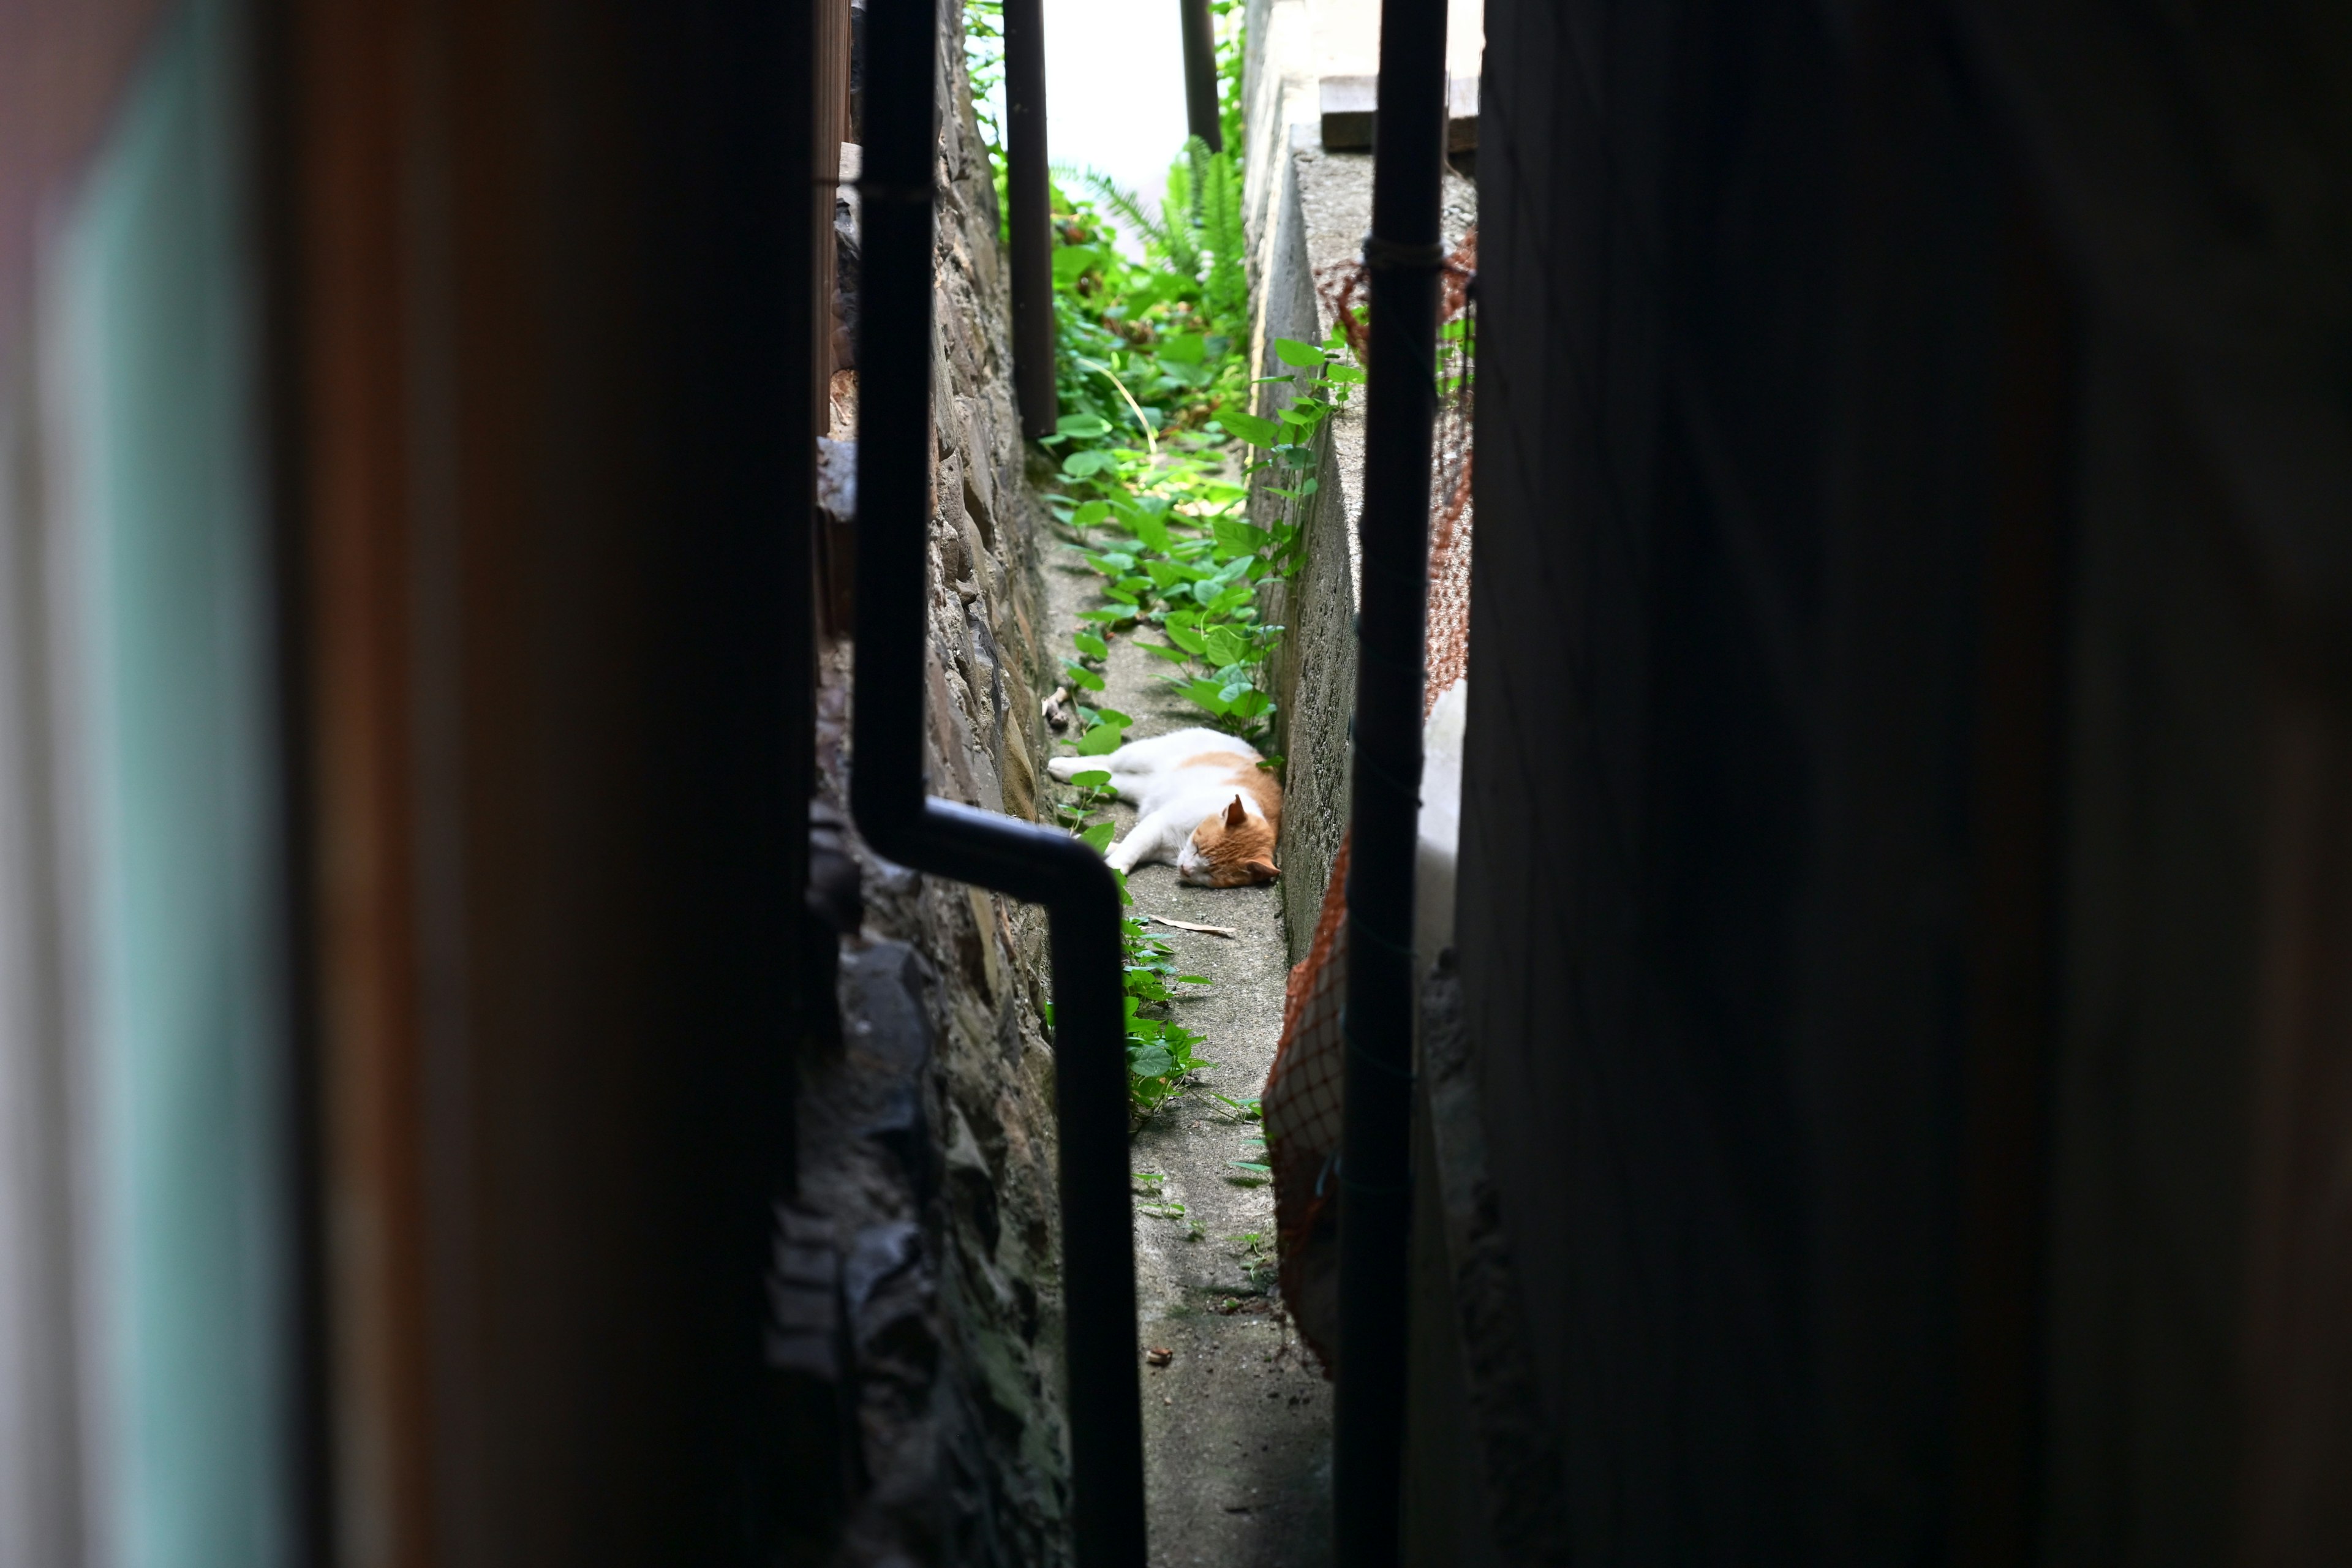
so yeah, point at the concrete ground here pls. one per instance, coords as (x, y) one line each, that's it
(1237, 1423)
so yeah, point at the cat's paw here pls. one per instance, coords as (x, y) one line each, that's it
(1065, 768)
(1120, 857)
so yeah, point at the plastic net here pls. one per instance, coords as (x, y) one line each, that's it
(1302, 1100)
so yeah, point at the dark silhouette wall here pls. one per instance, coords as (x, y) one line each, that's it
(1904, 792)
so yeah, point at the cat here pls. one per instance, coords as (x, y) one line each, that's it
(1207, 804)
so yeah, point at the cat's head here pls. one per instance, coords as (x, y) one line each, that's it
(1230, 849)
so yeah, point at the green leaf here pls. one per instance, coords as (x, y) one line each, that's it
(1086, 426)
(1236, 538)
(1072, 261)
(1185, 638)
(1183, 348)
(1290, 351)
(1226, 647)
(1257, 432)
(1112, 716)
(1151, 531)
(1206, 695)
(1090, 645)
(1247, 1166)
(1093, 460)
(1195, 980)
(1346, 375)
(1093, 778)
(1081, 676)
(1100, 741)
(1093, 512)
(1097, 837)
(1172, 655)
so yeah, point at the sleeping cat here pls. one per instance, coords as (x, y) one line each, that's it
(1206, 805)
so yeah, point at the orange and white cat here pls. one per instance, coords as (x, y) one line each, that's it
(1206, 805)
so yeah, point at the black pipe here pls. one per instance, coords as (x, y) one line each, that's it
(1038, 864)
(1403, 254)
(1201, 74)
(1031, 217)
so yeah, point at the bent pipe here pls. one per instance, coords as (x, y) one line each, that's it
(1041, 865)
(1403, 254)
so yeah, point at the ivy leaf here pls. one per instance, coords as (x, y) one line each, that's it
(1185, 348)
(1081, 676)
(1225, 646)
(1097, 837)
(1235, 538)
(1093, 512)
(1257, 432)
(1093, 778)
(1172, 655)
(1101, 741)
(1094, 460)
(1292, 352)
(1073, 261)
(1090, 645)
(1206, 695)
(1151, 531)
(1346, 375)
(1086, 426)
(1112, 716)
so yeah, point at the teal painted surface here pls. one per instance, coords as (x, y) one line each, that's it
(155, 353)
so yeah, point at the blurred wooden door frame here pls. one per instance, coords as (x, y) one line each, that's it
(546, 292)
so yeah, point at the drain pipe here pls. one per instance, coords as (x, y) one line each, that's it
(1201, 74)
(1403, 254)
(944, 839)
(1029, 214)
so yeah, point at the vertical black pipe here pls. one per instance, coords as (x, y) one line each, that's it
(1038, 864)
(1031, 217)
(1201, 74)
(1403, 254)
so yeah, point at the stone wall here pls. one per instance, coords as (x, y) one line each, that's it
(927, 1141)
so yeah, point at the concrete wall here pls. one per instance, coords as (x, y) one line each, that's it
(1325, 207)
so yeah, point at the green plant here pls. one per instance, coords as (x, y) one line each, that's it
(983, 58)
(1152, 373)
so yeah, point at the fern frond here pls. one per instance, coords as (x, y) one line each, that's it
(1227, 286)
(1196, 169)
(1126, 204)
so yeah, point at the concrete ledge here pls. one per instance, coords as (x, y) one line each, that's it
(1326, 203)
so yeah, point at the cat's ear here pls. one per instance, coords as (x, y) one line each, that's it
(1261, 870)
(1234, 814)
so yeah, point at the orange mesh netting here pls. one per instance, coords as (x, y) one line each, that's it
(1302, 1099)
